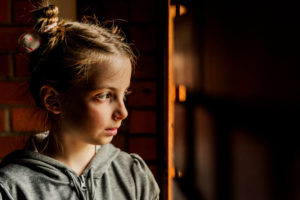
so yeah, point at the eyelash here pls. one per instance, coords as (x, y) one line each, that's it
(104, 95)
(126, 93)
(108, 95)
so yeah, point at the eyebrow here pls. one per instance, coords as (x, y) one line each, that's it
(105, 87)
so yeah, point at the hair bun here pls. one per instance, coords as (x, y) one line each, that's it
(45, 16)
(29, 42)
(51, 11)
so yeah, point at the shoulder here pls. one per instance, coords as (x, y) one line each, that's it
(131, 161)
(9, 171)
(19, 168)
(11, 175)
(129, 158)
(145, 182)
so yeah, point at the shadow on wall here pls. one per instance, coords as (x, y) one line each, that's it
(236, 135)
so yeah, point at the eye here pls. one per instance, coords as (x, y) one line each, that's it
(126, 93)
(104, 96)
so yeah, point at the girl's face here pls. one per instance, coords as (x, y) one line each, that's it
(93, 111)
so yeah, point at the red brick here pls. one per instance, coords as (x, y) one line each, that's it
(22, 65)
(146, 67)
(27, 119)
(21, 11)
(144, 38)
(3, 120)
(11, 143)
(5, 65)
(9, 38)
(142, 11)
(15, 93)
(143, 94)
(4, 11)
(142, 122)
(145, 147)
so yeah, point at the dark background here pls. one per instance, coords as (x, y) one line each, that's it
(239, 137)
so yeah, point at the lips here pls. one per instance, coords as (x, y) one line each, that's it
(112, 131)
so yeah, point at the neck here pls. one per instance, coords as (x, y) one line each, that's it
(72, 152)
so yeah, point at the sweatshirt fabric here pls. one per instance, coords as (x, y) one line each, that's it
(111, 175)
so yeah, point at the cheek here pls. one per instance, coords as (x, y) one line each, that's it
(84, 116)
(97, 117)
(74, 114)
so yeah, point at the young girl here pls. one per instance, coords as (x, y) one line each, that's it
(80, 74)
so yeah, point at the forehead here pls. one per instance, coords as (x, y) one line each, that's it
(115, 72)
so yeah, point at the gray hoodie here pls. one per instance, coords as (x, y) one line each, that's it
(111, 175)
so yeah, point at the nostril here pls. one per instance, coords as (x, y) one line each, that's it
(120, 114)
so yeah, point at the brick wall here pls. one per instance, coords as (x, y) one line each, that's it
(18, 117)
(142, 132)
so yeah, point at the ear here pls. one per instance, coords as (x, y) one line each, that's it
(50, 99)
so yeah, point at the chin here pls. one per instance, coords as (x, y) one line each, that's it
(104, 141)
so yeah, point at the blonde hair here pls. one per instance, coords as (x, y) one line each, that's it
(68, 48)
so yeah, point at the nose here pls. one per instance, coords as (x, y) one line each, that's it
(120, 112)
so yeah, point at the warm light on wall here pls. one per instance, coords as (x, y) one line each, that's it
(171, 100)
(181, 93)
(172, 96)
(182, 9)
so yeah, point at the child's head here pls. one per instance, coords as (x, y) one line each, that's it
(73, 59)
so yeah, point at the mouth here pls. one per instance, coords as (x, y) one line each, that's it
(111, 131)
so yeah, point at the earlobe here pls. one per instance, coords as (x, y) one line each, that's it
(50, 99)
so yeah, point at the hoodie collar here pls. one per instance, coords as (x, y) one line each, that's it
(33, 159)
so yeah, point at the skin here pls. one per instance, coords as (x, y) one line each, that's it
(90, 113)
